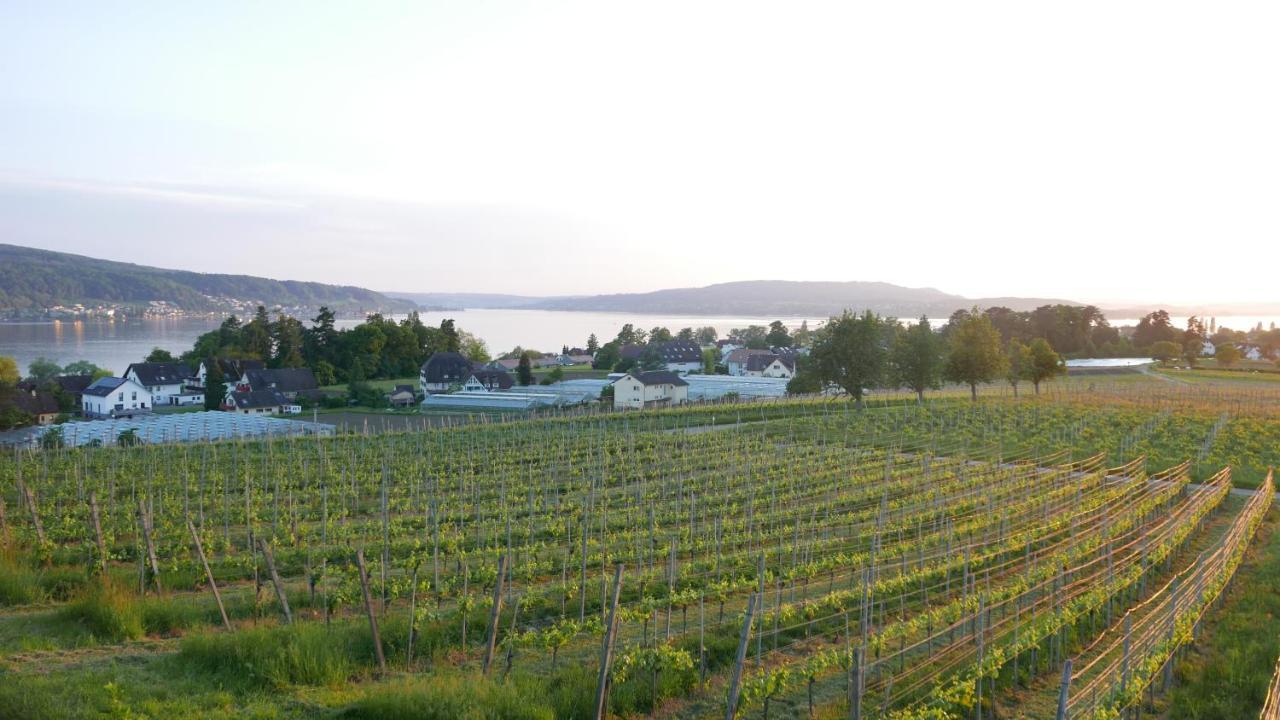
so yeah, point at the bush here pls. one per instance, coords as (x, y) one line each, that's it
(63, 583)
(107, 611)
(449, 697)
(273, 657)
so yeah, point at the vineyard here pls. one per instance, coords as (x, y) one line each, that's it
(1049, 558)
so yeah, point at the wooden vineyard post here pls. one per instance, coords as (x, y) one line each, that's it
(35, 512)
(1124, 667)
(275, 580)
(856, 685)
(1064, 691)
(373, 617)
(735, 683)
(145, 522)
(494, 614)
(213, 585)
(97, 532)
(606, 653)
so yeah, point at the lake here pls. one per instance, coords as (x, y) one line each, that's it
(114, 345)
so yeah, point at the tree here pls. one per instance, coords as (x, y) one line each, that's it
(215, 390)
(707, 335)
(1165, 350)
(53, 439)
(607, 356)
(524, 371)
(755, 337)
(802, 336)
(84, 367)
(1193, 339)
(806, 380)
(852, 351)
(917, 358)
(473, 348)
(555, 376)
(42, 370)
(128, 438)
(1018, 367)
(159, 355)
(1154, 327)
(452, 340)
(975, 355)
(1045, 363)
(8, 371)
(593, 344)
(660, 335)
(1227, 354)
(778, 336)
(709, 358)
(256, 335)
(290, 339)
(686, 334)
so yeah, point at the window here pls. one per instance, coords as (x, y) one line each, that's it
(120, 397)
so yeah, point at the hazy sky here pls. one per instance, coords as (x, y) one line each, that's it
(1088, 150)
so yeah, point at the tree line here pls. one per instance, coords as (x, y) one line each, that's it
(857, 353)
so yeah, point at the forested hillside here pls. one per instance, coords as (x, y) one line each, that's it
(32, 279)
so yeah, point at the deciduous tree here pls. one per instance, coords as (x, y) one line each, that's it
(975, 355)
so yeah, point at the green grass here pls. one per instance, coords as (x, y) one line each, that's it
(385, 385)
(451, 697)
(272, 657)
(1225, 675)
(107, 611)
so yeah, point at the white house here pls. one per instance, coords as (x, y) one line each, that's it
(166, 382)
(232, 371)
(259, 402)
(770, 366)
(657, 388)
(112, 397)
(681, 356)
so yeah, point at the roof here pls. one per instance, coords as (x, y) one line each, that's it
(288, 380)
(760, 362)
(490, 377)
(445, 368)
(103, 387)
(74, 383)
(741, 355)
(630, 352)
(659, 377)
(505, 364)
(233, 368)
(36, 403)
(258, 399)
(160, 373)
(680, 351)
(404, 388)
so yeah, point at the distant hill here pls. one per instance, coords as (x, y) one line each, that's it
(760, 298)
(458, 301)
(32, 279)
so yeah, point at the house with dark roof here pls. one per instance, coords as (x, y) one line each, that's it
(115, 397)
(257, 402)
(166, 382)
(770, 365)
(40, 405)
(232, 370)
(290, 382)
(488, 380)
(682, 356)
(442, 371)
(656, 388)
(73, 386)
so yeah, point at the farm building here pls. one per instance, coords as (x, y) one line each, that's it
(402, 396)
(290, 382)
(657, 388)
(442, 371)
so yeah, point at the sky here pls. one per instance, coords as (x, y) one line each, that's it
(1096, 151)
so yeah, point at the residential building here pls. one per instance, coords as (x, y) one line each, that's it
(656, 388)
(681, 356)
(232, 370)
(488, 380)
(114, 397)
(166, 383)
(73, 386)
(736, 361)
(770, 366)
(442, 371)
(258, 402)
(40, 405)
(290, 382)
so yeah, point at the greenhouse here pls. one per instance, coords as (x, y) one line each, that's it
(181, 427)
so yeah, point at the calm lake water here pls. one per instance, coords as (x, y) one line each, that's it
(114, 345)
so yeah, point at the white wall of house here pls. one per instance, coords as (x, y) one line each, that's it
(776, 369)
(162, 394)
(128, 396)
(630, 393)
(684, 367)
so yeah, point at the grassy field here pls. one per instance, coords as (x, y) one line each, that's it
(956, 543)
